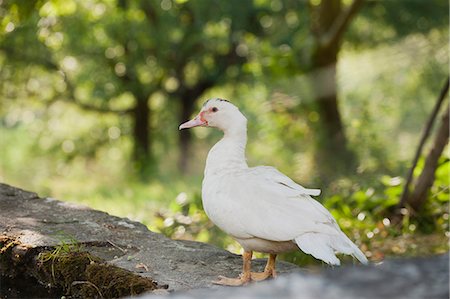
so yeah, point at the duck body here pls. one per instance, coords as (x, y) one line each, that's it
(226, 208)
(261, 208)
(226, 194)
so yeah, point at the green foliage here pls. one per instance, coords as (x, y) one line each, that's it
(397, 22)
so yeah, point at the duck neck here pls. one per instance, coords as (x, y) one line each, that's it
(228, 154)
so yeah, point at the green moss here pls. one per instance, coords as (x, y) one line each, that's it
(62, 269)
(115, 282)
(72, 272)
(83, 275)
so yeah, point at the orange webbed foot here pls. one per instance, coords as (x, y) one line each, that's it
(235, 282)
(259, 276)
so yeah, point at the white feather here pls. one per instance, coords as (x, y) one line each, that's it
(272, 174)
(325, 247)
(319, 246)
(261, 202)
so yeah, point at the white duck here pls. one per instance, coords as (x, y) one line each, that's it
(264, 210)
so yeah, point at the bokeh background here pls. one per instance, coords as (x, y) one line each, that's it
(337, 93)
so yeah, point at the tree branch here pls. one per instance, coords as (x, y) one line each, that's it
(340, 24)
(426, 178)
(423, 139)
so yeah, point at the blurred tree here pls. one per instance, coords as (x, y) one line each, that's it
(306, 37)
(417, 197)
(315, 54)
(127, 57)
(328, 22)
(426, 177)
(115, 57)
(208, 54)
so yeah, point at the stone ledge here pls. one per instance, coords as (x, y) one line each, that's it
(402, 278)
(36, 222)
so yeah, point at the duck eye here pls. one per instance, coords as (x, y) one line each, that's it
(214, 109)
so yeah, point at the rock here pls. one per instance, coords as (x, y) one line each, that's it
(403, 278)
(35, 223)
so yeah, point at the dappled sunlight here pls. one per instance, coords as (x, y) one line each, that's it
(29, 236)
(73, 206)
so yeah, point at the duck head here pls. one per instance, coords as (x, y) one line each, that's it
(217, 113)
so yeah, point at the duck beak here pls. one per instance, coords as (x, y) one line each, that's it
(197, 121)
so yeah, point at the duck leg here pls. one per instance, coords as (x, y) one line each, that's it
(269, 270)
(244, 278)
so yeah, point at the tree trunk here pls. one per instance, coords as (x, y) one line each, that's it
(188, 96)
(423, 139)
(426, 178)
(333, 155)
(141, 136)
(185, 136)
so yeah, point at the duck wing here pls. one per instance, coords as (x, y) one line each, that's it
(275, 208)
(272, 174)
